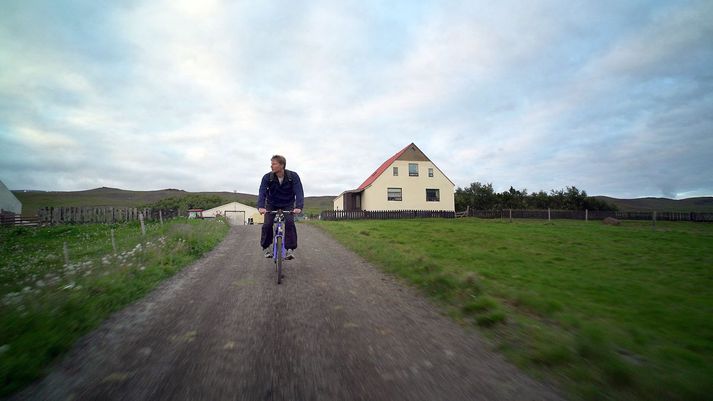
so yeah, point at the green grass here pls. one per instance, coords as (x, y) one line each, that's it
(46, 305)
(607, 312)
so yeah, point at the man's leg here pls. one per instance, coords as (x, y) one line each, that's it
(266, 235)
(290, 232)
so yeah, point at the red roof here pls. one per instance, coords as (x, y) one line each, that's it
(382, 168)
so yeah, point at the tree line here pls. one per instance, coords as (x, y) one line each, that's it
(479, 196)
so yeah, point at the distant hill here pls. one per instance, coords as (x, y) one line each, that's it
(33, 200)
(702, 204)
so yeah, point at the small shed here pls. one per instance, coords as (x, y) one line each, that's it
(236, 213)
(195, 213)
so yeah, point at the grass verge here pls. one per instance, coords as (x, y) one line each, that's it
(607, 312)
(47, 304)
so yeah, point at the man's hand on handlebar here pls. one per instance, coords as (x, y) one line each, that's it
(262, 210)
(296, 211)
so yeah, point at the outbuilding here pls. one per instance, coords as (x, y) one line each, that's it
(236, 213)
(8, 201)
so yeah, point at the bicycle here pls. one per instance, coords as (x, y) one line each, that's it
(279, 252)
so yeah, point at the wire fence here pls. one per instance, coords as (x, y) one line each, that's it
(80, 215)
(516, 214)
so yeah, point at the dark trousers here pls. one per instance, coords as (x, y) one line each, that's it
(289, 230)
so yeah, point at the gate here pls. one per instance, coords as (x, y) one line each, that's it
(235, 218)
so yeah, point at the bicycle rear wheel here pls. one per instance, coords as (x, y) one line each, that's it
(278, 260)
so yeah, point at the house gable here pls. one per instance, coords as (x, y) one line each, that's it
(413, 154)
(382, 168)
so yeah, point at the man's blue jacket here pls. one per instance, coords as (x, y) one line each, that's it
(286, 196)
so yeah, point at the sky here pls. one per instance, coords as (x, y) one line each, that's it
(613, 97)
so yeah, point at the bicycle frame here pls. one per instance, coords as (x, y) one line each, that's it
(279, 252)
(278, 232)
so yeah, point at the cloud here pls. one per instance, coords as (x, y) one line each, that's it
(611, 97)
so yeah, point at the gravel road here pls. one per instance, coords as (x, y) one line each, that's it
(336, 329)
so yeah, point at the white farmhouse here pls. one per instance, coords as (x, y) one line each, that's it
(408, 180)
(236, 213)
(8, 201)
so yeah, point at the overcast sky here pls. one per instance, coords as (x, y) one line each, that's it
(614, 97)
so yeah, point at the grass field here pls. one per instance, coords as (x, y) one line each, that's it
(46, 304)
(608, 312)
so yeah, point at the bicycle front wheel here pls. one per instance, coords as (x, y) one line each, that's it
(278, 260)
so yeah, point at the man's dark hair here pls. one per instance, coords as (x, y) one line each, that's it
(280, 159)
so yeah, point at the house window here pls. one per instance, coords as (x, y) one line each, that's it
(433, 195)
(430, 172)
(396, 171)
(413, 169)
(394, 194)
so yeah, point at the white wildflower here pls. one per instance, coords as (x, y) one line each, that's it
(12, 298)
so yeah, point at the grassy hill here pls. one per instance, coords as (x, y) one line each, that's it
(33, 200)
(702, 204)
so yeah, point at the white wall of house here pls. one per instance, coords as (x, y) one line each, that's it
(8, 201)
(339, 202)
(236, 213)
(413, 189)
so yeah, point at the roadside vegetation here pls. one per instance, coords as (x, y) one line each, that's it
(46, 304)
(34, 200)
(184, 203)
(608, 312)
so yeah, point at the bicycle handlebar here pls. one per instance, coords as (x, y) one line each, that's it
(277, 211)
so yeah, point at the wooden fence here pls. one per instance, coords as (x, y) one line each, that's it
(516, 214)
(384, 214)
(79, 215)
(12, 219)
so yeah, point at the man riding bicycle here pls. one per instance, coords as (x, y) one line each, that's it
(280, 189)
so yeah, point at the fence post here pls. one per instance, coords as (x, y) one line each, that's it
(549, 216)
(143, 227)
(653, 221)
(160, 216)
(511, 215)
(586, 214)
(65, 249)
(113, 241)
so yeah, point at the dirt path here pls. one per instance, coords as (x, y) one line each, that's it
(336, 329)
